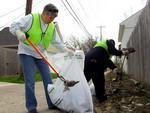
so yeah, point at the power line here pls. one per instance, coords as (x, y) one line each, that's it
(17, 9)
(76, 18)
(69, 11)
(12, 11)
(71, 14)
(11, 21)
(17, 16)
(82, 8)
(37, 3)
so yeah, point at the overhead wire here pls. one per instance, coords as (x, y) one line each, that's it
(37, 3)
(82, 8)
(70, 12)
(17, 16)
(11, 21)
(11, 11)
(76, 17)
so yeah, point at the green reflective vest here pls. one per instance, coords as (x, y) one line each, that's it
(35, 32)
(104, 45)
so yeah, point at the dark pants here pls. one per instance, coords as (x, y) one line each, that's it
(95, 71)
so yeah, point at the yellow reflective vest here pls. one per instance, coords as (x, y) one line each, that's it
(35, 32)
(103, 45)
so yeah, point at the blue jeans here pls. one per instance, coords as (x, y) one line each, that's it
(28, 65)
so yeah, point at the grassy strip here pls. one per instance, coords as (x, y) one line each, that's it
(18, 79)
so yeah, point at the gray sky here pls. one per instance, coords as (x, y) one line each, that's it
(92, 14)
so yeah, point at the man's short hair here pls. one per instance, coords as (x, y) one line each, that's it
(51, 10)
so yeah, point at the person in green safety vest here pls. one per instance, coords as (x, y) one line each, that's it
(96, 62)
(42, 32)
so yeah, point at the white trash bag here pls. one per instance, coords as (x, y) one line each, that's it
(78, 98)
(92, 89)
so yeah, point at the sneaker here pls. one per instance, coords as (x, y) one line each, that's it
(33, 111)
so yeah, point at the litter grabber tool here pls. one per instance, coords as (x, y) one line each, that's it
(67, 83)
(130, 50)
(120, 70)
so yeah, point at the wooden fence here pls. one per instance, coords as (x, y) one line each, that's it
(9, 62)
(139, 62)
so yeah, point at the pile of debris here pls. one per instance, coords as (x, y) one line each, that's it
(124, 96)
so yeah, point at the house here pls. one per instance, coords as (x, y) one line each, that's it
(9, 63)
(139, 62)
(125, 30)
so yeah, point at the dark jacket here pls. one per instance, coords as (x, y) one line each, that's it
(100, 55)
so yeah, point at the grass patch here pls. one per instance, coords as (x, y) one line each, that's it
(12, 79)
(18, 79)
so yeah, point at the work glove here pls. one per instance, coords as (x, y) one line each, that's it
(125, 52)
(69, 51)
(117, 71)
(21, 36)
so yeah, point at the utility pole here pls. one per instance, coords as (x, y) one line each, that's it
(101, 27)
(28, 11)
(28, 7)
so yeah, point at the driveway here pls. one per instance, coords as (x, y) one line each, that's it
(12, 98)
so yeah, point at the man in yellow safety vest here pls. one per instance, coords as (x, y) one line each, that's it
(96, 62)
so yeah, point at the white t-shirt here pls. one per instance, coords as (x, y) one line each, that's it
(23, 24)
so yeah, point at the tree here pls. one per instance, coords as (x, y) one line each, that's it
(75, 44)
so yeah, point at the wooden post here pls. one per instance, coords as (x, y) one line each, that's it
(28, 7)
(28, 11)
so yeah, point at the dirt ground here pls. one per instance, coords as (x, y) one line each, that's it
(125, 96)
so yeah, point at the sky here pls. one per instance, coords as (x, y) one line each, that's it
(91, 14)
